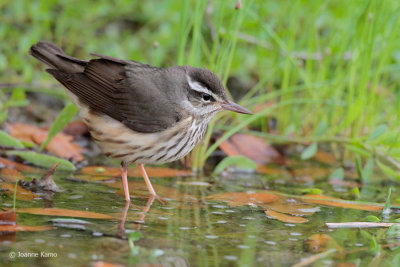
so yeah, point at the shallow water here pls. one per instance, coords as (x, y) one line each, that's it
(188, 228)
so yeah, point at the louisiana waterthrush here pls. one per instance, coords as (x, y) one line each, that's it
(136, 112)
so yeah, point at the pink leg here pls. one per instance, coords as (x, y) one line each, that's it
(124, 172)
(147, 180)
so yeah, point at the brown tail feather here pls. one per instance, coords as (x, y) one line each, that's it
(54, 57)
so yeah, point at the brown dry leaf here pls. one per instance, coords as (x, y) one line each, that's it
(64, 213)
(253, 147)
(22, 194)
(321, 242)
(350, 184)
(18, 166)
(337, 202)
(10, 175)
(25, 228)
(325, 158)
(106, 264)
(61, 145)
(274, 171)
(76, 128)
(139, 188)
(235, 199)
(310, 174)
(284, 217)
(151, 171)
(291, 208)
(8, 217)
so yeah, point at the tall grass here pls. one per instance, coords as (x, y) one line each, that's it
(327, 69)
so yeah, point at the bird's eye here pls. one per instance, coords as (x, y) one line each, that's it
(206, 97)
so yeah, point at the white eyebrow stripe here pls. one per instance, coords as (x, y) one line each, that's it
(199, 88)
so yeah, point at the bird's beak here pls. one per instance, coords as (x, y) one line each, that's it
(235, 107)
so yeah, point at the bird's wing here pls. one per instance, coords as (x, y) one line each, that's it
(127, 91)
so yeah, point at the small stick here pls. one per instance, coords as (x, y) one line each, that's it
(360, 225)
(314, 258)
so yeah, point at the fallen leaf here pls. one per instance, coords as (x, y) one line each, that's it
(272, 171)
(61, 145)
(284, 217)
(320, 243)
(76, 128)
(311, 173)
(18, 166)
(22, 194)
(337, 202)
(324, 157)
(106, 264)
(64, 213)
(8, 218)
(292, 208)
(235, 199)
(23, 228)
(10, 175)
(116, 171)
(253, 147)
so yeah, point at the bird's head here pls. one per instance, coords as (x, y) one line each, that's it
(206, 95)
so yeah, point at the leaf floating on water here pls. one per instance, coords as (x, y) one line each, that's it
(8, 218)
(321, 242)
(22, 194)
(337, 202)
(311, 173)
(235, 199)
(64, 213)
(116, 171)
(253, 147)
(61, 145)
(23, 228)
(106, 264)
(284, 217)
(18, 166)
(10, 175)
(43, 160)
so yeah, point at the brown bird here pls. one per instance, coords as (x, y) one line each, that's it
(136, 112)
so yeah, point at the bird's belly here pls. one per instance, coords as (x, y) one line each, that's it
(119, 142)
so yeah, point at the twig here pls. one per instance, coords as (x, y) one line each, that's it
(314, 258)
(360, 225)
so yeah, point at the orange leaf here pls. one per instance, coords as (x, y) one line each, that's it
(20, 228)
(252, 147)
(310, 173)
(235, 199)
(18, 166)
(8, 217)
(22, 194)
(268, 170)
(291, 208)
(320, 242)
(151, 171)
(61, 145)
(325, 158)
(64, 213)
(10, 175)
(337, 202)
(106, 264)
(284, 217)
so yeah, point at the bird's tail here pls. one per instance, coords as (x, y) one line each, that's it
(55, 58)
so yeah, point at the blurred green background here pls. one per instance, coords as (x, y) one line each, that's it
(325, 71)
